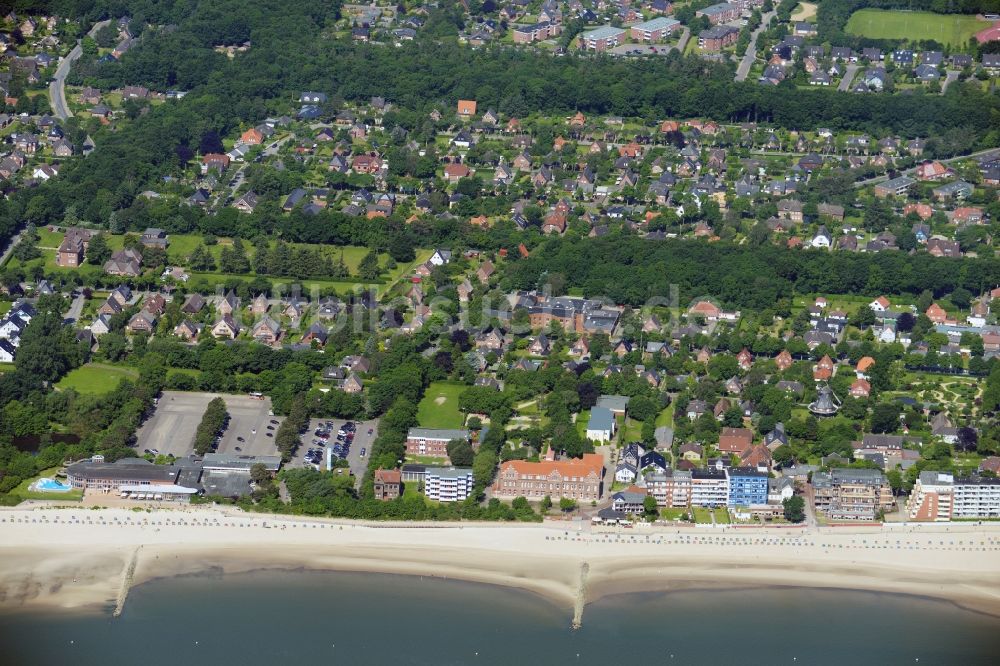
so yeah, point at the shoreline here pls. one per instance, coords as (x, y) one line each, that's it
(81, 559)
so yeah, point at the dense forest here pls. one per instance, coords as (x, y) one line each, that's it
(632, 270)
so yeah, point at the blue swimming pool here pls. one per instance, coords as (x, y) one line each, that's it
(51, 486)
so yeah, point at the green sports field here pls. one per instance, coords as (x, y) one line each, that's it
(954, 29)
(439, 407)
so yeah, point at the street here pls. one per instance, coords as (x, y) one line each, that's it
(72, 315)
(751, 55)
(57, 89)
(878, 179)
(949, 79)
(845, 83)
(10, 247)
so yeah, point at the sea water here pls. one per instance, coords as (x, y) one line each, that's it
(304, 617)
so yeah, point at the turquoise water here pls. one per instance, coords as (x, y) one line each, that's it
(51, 485)
(270, 618)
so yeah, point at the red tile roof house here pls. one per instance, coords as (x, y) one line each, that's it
(466, 108)
(735, 440)
(455, 172)
(824, 369)
(936, 314)
(967, 215)
(705, 309)
(861, 388)
(923, 211)
(388, 484)
(933, 171)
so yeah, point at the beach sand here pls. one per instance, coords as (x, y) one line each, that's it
(73, 558)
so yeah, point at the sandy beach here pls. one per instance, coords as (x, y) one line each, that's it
(74, 558)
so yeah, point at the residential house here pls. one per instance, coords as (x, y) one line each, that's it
(388, 484)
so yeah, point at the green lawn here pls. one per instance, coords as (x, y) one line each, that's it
(582, 419)
(96, 378)
(672, 514)
(22, 492)
(703, 515)
(6, 367)
(439, 407)
(953, 29)
(666, 417)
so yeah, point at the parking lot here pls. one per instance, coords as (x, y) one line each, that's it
(362, 441)
(171, 429)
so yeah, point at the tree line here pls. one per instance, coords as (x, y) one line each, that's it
(212, 424)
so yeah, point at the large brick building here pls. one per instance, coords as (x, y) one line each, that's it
(602, 39)
(536, 32)
(432, 442)
(579, 479)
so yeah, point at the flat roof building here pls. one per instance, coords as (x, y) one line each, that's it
(603, 38)
(448, 484)
(654, 30)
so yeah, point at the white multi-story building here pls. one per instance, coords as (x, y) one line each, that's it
(931, 498)
(938, 496)
(976, 497)
(709, 488)
(448, 484)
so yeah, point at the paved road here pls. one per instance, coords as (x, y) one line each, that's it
(911, 170)
(57, 89)
(952, 75)
(10, 247)
(845, 83)
(75, 309)
(751, 55)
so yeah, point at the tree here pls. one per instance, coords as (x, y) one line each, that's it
(27, 249)
(369, 269)
(259, 474)
(968, 439)
(98, 251)
(201, 259)
(649, 507)
(885, 417)
(460, 452)
(213, 421)
(546, 504)
(905, 322)
(895, 478)
(961, 297)
(795, 509)
(566, 504)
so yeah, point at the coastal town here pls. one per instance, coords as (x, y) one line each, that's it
(823, 407)
(584, 297)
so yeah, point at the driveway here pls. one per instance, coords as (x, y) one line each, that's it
(751, 55)
(57, 88)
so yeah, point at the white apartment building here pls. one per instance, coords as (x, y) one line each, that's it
(448, 484)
